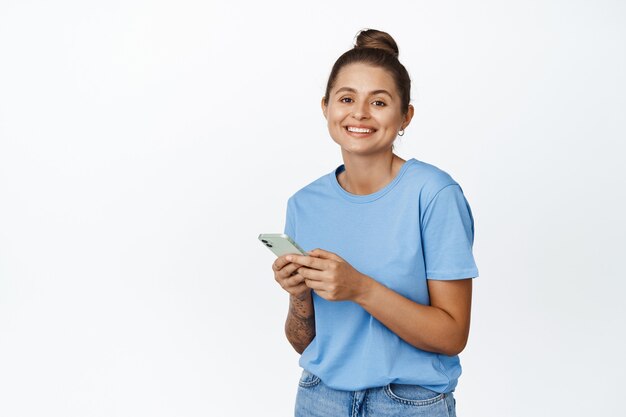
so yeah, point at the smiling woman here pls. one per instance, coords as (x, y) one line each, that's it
(380, 309)
(364, 114)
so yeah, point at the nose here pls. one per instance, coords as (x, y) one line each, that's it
(360, 110)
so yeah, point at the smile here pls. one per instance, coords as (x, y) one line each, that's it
(359, 129)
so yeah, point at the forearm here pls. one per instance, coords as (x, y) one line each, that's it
(425, 327)
(300, 323)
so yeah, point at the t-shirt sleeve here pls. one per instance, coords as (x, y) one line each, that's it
(290, 223)
(448, 236)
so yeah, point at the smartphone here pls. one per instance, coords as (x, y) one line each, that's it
(281, 244)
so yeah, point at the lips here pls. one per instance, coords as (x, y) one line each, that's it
(359, 129)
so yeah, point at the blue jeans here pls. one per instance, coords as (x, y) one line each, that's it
(315, 399)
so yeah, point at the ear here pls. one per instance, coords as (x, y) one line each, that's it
(406, 120)
(324, 108)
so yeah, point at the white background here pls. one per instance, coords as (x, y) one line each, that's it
(145, 144)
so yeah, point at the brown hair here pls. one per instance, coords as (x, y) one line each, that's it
(376, 48)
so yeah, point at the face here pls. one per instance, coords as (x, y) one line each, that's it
(364, 110)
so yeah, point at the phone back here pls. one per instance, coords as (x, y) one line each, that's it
(281, 244)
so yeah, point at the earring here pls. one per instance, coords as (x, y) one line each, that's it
(401, 132)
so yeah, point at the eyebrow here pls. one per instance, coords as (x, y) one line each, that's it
(371, 93)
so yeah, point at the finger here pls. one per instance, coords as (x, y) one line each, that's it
(293, 281)
(289, 283)
(287, 279)
(308, 261)
(312, 274)
(315, 284)
(289, 270)
(324, 254)
(280, 263)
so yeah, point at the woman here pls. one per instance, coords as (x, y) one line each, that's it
(381, 308)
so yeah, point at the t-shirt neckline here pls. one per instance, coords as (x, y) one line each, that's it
(356, 198)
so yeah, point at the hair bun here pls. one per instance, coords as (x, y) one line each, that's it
(376, 39)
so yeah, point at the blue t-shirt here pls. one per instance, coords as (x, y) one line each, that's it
(418, 226)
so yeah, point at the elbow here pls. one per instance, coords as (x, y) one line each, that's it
(298, 341)
(457, 340)
(455, 347)
(454, 351)
(298, 346)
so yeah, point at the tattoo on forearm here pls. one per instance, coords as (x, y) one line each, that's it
(300, 325)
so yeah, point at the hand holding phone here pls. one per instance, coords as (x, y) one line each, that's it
(286, 273)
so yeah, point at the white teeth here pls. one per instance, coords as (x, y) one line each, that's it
(359, 130)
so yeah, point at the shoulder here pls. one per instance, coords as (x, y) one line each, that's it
(320, 187)
(427, 179)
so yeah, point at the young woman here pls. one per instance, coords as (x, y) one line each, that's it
(381, 307)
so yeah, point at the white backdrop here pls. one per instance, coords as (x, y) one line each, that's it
(145, 144)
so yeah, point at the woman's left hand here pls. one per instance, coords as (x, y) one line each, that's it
(330, 276)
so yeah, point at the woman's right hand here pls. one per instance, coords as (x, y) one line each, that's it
(285, 273)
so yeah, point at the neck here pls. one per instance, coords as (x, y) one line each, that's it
(367, 174)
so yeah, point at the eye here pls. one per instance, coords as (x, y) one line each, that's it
(346, 100)
(379, 103)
